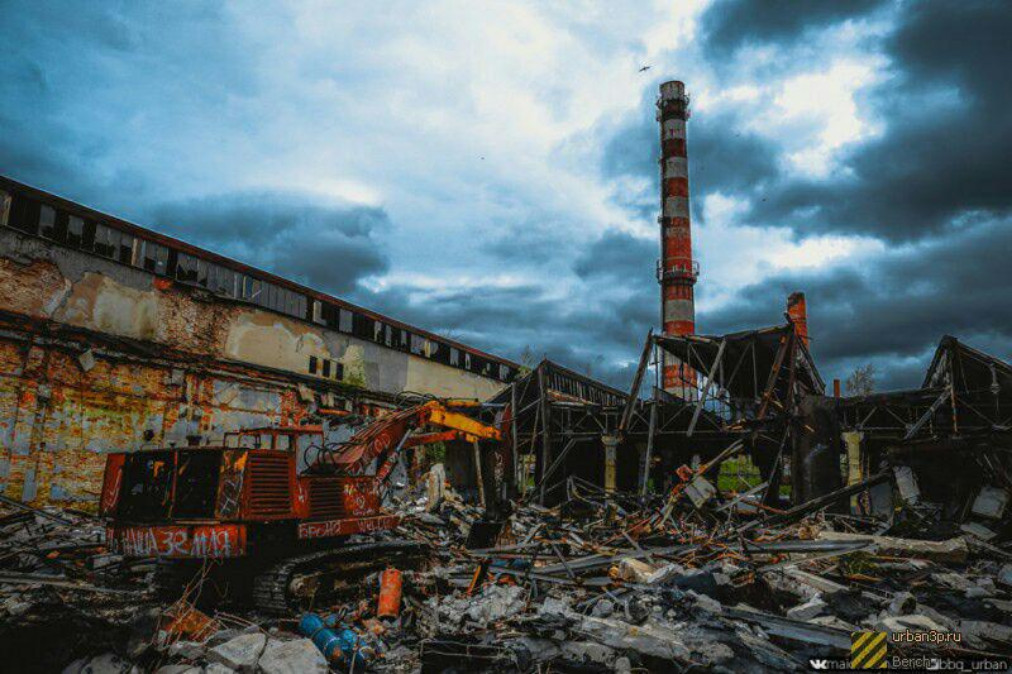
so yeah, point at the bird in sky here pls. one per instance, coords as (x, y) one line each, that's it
(645, 68)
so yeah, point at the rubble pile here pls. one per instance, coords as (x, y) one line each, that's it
(62, 593)
(601, 582)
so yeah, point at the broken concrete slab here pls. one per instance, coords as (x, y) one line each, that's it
(300, 656)
(904, 603)
(810, 609)
(906, 481)
(218, 668)
(913, 623)
(179, 669)
(990, 502)
(650, 638)
(978, 530)
(985, 634)
(240, 653)
(634, 570)
(953, 550)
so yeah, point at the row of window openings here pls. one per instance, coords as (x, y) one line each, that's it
(154, 257)
(326, 368)
(224, 281)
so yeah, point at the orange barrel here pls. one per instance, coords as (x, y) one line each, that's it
(390, 594)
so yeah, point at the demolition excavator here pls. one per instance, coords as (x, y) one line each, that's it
(276, 506)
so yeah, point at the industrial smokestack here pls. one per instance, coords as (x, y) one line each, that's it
(676, 271)
(797, 311)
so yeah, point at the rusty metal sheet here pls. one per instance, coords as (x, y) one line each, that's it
(360, 497)
(347, 526)
(111, 483)
(214, 541)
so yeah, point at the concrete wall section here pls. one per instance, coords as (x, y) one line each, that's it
(57, 419)
(47, 281)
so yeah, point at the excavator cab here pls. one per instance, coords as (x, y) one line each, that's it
(282, 499)
(217, 502)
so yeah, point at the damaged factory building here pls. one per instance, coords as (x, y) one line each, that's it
(209, 468)
(114, 337)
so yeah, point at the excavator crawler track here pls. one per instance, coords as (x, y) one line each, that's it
(273, 591)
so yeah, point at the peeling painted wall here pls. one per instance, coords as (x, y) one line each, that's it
(49, 281)
(58, 418)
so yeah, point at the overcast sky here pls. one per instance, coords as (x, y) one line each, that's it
(488, 170)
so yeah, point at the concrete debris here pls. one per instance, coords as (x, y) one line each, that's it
(954, 550)
(603, 581)
(241, 653)
(990, 502)
(292, 657)
(810, 609)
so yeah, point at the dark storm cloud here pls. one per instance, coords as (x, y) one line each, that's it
(324, 246)
(595, 329)
(730, 24)
(944, 154)
(896, 306)
(618, 255)
(933, 184)
(723, 156)
(84, 84)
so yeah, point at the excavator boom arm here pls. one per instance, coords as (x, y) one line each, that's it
(389, 433)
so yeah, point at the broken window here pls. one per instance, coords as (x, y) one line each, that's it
(202, 272)
(389, 335)
(312, 364)
(196, 487)
(152, 257)
(126, 248)
(417, 345)
(329, 314)
(186, 268)
(146, 487)
(467, 361)
(338, 370)
(222, 281)
(326, 368)
(47, 221)
(106, 241)
(24, 215)
(454, 357)
(345, 321)
(75, 231)
(251, 288)
(318, 312)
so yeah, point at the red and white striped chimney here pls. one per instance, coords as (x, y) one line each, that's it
(676, 271)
